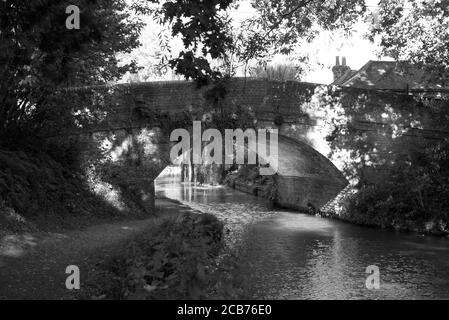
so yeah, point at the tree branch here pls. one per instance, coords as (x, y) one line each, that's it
(287, 14)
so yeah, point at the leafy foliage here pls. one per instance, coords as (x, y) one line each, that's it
(38, 54)
(414, 196)
(203, 30)
(45, 191)
(414, 31)
(398, 183)
(210, 34)
(280, 25)
(171, 261)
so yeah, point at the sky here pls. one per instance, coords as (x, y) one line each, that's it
(324, 49)
(328, 45)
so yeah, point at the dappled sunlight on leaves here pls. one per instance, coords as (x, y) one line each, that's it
(105, 190)
(364, 129)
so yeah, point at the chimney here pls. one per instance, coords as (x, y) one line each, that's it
(338, 70)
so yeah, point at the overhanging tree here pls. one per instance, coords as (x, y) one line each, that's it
(204, 31)
(39, 55)
(280, 25)
(277, 27)
(415, 31)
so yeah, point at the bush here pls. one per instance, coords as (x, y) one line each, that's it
(170, 261)
(47, 192)
(414, 196)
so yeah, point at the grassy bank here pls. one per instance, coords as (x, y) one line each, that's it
(174, 259)
(40, 191)
(373, 207)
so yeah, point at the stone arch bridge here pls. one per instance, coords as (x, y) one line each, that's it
(125, 130)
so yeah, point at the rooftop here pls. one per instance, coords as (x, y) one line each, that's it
(392, 75)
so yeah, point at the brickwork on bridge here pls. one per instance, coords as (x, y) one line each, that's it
(374, 117)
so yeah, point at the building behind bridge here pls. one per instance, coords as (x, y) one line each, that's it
(394, 76)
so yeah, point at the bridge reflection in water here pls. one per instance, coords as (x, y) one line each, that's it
(296, 256)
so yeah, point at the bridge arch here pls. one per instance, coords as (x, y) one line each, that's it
(305, 175)
(306, 178)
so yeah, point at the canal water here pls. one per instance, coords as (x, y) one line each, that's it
(297, 256)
